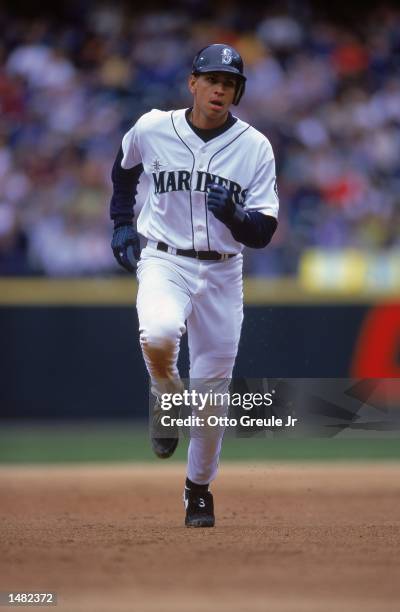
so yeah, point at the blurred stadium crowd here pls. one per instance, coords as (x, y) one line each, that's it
(327, 96)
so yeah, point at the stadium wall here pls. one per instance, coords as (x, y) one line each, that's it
(67, 356)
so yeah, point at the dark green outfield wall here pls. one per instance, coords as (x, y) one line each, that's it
(85, 361)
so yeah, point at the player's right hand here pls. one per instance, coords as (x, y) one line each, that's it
(126, 246)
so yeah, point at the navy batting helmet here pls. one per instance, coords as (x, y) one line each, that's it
(221, 58)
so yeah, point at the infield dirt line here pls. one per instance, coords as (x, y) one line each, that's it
(342, 475)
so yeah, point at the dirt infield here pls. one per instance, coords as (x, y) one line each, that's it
(288, 538)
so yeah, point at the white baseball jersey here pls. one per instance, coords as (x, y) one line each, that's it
(179, 166)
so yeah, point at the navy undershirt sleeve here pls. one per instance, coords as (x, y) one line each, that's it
(125, 184)
(255, 231)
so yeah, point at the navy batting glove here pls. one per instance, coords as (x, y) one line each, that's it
(220, 203)
(126, 247)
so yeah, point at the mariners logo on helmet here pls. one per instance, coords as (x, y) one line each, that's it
(226, 55)
(221, 58)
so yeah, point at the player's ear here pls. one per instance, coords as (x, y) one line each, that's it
(192, 83)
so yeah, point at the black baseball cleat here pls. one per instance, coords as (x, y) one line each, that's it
(163, 447)
(199, 508)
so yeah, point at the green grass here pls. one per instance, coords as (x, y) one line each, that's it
(129, 442)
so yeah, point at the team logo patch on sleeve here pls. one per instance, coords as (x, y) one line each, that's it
(227, 56)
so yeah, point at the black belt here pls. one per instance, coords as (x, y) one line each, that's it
(204, 255)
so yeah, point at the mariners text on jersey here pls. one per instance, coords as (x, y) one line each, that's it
(180, 180)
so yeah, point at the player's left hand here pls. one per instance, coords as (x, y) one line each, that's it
(220, 203)
(126, 246)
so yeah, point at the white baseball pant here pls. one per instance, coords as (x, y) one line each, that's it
(176, 293)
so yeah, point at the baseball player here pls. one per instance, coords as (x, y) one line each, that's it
(212, 191)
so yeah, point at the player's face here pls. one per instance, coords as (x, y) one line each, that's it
(213, 94)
